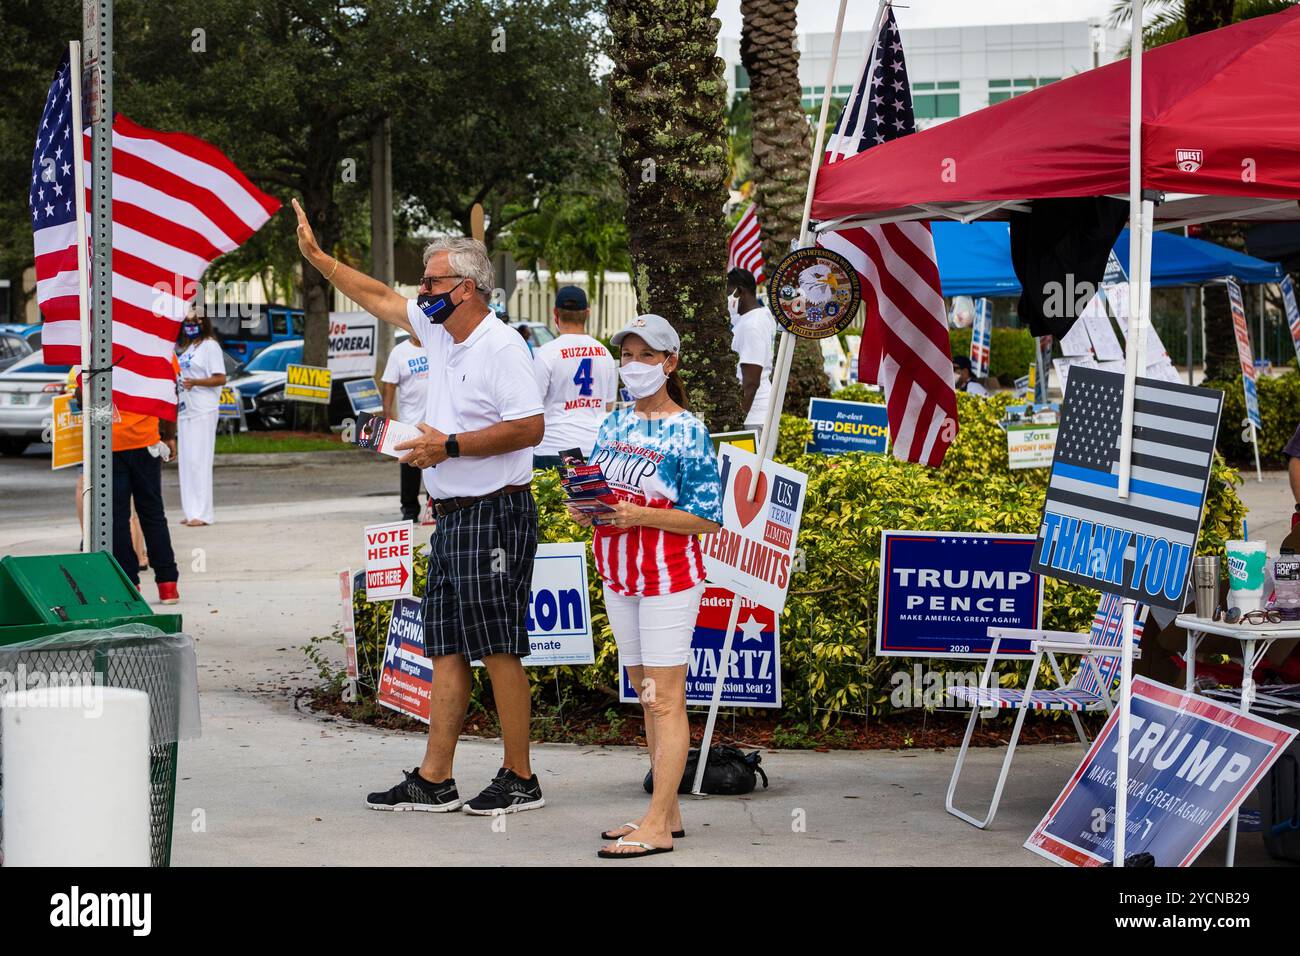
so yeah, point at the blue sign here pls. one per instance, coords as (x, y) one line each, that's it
(364, 396)
(1192, 762)
(1252, 401)
(753, 676)
(940, 592)
(840, 426)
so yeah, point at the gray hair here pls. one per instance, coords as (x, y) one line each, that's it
(466, 257)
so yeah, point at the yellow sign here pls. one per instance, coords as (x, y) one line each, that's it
(744, 440)
(307, 383)
(65, 429)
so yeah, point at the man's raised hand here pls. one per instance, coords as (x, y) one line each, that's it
(307, 243)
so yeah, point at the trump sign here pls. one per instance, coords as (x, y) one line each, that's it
(1192, 762)
(940, 592)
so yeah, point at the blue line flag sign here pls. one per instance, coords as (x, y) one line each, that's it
(1141, 546)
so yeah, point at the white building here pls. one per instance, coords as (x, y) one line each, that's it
(953, 70)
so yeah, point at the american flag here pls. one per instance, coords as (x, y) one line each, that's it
(745, 247)
(1107, 630)
(1140, 546)
(905, 344)
(178, 203)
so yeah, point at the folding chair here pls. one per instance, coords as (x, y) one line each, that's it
(1089, 691)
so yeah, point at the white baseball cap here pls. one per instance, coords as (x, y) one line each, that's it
(654, 330)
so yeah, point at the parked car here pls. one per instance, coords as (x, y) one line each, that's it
(32, 333)
(244, 330)
(260, 384)
(539, 333)
(27, 391)
(12, 348)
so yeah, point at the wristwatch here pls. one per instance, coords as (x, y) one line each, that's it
(453, 447)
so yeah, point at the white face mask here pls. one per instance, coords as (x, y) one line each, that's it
(641, 380)
(733, 306)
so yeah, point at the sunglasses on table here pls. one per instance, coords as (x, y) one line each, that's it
(1234, 615)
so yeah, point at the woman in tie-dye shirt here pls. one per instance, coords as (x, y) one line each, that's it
(658, 460)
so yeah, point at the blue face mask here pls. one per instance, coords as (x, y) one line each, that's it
(191, 329)
(437, 307)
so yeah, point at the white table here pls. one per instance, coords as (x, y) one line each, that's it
(1255, 640)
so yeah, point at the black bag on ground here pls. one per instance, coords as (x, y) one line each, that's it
(1280, 808)
(730, 771)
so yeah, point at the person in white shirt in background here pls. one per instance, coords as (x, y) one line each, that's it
(964, 379)
(753, 331)
(577, 378)
(203, 372)
(406, 378)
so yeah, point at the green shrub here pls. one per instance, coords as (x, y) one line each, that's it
(1011, 352)
(1279, 413)
(828, 627)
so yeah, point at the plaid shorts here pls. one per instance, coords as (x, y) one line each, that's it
(480, 570)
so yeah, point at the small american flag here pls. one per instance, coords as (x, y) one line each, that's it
(745, 247)
(178, 203)
(1138, 547)
(1107, 631)
(905, 343)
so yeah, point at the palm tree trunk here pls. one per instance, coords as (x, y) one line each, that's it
(669, 104)
(782, 144)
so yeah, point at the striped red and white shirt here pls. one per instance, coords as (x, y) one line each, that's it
(659, 463)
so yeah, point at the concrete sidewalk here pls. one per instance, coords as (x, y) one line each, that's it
(269, 785)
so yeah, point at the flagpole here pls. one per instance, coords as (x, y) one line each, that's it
(780, 377)
(83, 279)
(1135, 347)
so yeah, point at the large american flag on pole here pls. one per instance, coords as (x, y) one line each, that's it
(745, 247)
(178, 203)
(905, 344)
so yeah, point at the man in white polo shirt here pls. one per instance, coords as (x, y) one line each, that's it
(577, 378)
(482, 418)
(752, 333)
(405, 389)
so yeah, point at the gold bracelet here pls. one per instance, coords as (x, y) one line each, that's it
(334, 270)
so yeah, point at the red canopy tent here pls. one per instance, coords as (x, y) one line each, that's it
(1228, 98)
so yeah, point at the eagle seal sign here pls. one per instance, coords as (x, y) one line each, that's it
(1189, 160)
(814, 293)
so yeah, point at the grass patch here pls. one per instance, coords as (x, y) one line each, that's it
(266, 443)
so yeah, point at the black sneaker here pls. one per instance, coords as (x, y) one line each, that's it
(416, 793)
(507, 793)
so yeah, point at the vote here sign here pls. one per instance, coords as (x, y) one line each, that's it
(390, 560)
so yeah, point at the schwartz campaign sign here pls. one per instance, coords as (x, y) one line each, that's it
(940, 592)
(753, 672)
(406, 680)
(559, 609)
(1192, 762)
(847, 426)
(1141, 546)
(753, 553)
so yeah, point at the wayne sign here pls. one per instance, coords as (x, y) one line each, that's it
(390, 559)
(753, 553)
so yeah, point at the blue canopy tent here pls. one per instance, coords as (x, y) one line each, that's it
(975, 260)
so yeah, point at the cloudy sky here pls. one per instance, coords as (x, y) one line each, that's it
(818, 16)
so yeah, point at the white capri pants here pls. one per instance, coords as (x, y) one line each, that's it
(196, 440)
(654, 631)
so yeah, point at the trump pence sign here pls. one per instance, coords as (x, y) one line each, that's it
(940, 592)
(753, 553)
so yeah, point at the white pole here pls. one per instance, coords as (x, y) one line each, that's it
(780, 378)
(1254, 443)
(83, 279)
(57, 739)
(1135, 347)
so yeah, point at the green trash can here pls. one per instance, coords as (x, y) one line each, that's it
(52, 610)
